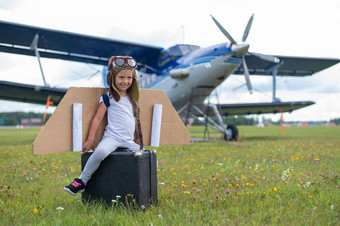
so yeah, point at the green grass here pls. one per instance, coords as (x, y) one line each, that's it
(290, 180)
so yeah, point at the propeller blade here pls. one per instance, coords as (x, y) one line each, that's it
(266, 57)
(246, 31)
(224, 31)
(246, 75)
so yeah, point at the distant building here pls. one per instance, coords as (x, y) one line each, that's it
(31, 121)
(304, 124)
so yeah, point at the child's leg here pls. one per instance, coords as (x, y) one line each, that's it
(104, 148)
(131, 145)
(134, 147)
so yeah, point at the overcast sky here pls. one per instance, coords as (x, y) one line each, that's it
(288, 27)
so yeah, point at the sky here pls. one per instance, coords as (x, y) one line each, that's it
(307, 28)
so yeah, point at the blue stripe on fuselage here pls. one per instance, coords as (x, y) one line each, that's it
(200, 56)
(196, 62)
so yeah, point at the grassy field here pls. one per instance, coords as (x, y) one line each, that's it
(264, 179)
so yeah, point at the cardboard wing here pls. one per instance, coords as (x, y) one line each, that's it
(56, 135)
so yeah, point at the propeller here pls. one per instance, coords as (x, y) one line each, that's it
(240, 50)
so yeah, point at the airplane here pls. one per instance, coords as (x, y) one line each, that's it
(187, 73)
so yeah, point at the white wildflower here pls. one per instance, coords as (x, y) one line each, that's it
(60, 208)
(285, 174)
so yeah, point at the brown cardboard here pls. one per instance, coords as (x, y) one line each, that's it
(56, 135)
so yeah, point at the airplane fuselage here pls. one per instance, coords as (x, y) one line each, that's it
(205, 68)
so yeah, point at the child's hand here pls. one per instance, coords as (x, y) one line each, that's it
(88, 145)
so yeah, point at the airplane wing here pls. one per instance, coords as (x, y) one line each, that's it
(17, 38)
(292, 66)
(30, 93)
(261, 108)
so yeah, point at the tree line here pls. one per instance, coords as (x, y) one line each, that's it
(14, 118)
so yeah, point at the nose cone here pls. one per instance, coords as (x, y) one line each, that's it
(240, 50)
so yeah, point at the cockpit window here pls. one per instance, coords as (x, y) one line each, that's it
(175, 52)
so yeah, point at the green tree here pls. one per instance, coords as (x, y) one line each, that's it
(336, 121)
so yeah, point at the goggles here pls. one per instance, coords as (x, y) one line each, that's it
(121, 62)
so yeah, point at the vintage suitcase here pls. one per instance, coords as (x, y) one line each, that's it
(124, 178)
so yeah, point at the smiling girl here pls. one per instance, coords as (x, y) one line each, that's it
(122, 113)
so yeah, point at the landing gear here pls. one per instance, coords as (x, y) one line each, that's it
(231, 133)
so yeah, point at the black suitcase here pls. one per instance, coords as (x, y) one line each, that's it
(122, 177)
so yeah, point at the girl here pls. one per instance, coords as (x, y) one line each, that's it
(121, 115)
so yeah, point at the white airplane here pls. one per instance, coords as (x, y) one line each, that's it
(188, 74)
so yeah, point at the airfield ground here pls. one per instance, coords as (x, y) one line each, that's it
(262, 179)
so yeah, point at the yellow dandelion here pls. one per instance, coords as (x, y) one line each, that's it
(35, 210)
(309, 196)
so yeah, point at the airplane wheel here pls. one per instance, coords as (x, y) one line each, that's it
(232, 129)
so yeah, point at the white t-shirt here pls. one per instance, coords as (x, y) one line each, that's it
(121, 122)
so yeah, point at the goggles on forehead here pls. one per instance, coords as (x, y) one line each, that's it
(123, 62)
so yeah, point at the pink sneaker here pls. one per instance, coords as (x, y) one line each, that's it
(76, 186)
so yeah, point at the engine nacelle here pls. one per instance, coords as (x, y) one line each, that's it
(179, 73)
